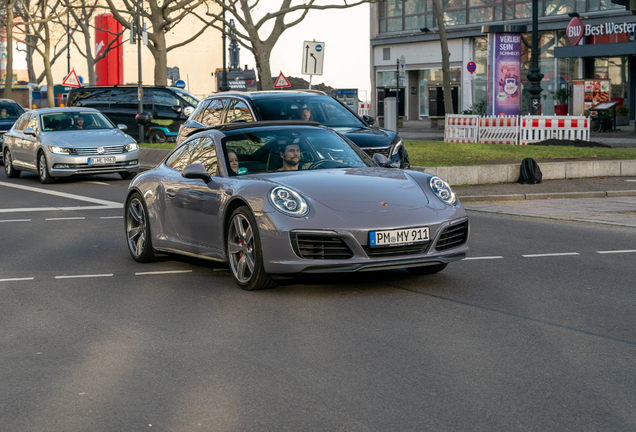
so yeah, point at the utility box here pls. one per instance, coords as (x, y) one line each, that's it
(390, 114)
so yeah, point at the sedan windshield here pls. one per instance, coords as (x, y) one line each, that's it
(78, 120)
(10, 111)
(322, 109)
(273, 149)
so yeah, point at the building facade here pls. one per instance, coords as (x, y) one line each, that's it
(409, 29)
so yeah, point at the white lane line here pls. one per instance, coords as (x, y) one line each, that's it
(163, 272)
(65, 218)
(111, 217)
(16, 279)
(483, 258)
(16, 220)
(83, 276)
(550, 255)
(616, 251)
(630, 180)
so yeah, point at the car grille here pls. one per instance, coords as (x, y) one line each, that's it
(453, 236)
(382, 150)
(396, 250)
(310, 246)
(92, 151)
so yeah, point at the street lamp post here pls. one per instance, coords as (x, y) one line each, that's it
(535, 76)
(140, 89)
(224, 87)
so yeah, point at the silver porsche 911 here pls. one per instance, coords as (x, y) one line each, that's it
(273, 198)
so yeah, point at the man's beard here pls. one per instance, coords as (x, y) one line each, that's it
(292, 162)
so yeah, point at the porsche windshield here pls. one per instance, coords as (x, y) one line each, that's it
(322, 109)
(289, 149)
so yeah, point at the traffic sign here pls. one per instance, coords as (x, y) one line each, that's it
(471, 66)
(180, 84)
(281, 81)
(71, 80)
(313, 56)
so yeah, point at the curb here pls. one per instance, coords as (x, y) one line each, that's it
(540, 196)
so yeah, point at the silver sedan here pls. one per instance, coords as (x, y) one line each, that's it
(60, 142)
(269, 198)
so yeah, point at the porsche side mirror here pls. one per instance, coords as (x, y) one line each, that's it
(196, 171)
(368, 119)
(380, 159)
(143, 118)
(29, 131)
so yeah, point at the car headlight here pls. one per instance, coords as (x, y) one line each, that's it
(131, 147)
(288, 202)
(60, 150)
(442, 190)
(396, 148)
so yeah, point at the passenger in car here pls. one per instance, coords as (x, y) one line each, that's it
(305, 114)
(290, 154)
(233, 158)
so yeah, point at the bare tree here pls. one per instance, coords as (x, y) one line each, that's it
(163, 18)
(448, 96)
(8, 82)
(244, 11)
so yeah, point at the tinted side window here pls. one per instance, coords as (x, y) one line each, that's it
(179, 159)
(198, 113)
(124, 98)
(165, 101)
(213, 113)
(90, 98)
(20, 124)
(238, 111)
(33, 123)
(201, 150)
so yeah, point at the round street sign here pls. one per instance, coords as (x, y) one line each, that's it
(471, 66)
(180, 84)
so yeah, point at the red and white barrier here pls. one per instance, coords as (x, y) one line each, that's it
(539, 128)
(363, 109)
(515, 130)
(499, 130)
(461, 128)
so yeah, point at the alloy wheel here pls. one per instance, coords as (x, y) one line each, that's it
(136, 227)
(241, 248)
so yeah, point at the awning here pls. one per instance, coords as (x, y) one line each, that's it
(596, 50)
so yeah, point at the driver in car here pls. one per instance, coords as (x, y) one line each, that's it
(290, 154)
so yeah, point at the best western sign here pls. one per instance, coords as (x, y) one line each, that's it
(576, 30)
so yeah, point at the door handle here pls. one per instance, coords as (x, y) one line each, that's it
(171, 193)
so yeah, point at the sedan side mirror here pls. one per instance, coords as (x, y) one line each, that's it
(380, 159)
(122, 127)
(368, 119)
(29, 131)
(187, 111)
(196, 171)
(143, 118)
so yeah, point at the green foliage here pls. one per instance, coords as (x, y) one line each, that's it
(478, 109)
(622, 110)
(562, 95)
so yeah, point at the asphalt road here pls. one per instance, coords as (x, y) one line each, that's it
(534, 332)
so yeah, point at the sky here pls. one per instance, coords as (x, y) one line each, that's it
(345, 33)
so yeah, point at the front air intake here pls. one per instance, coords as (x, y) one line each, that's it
(453, 236)
(311, 246)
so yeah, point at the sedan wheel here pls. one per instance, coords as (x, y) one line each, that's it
(43, 170)
(244, 252)
(138, 230)
(8, 165)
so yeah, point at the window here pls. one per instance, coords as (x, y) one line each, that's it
(124, 98)
(91, 98)
(33, 123)
(212, 115)
(165, 101)
(20, 124)
(10, 111)
(238, 111)
(197, 150)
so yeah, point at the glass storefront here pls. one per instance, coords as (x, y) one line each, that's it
(433, 76)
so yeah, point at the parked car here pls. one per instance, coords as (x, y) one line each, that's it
(169, 107)
(281, 198)
(10, 110)
(315, 105)
(60, 142)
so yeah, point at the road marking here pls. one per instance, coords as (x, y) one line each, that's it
(550, 255)
(103, 204)
(16, 220)
(97, 182)
(83, 276)
(64, 218)
(16, 279)
(616, 251)
(111, 217)
(483, 258)
(162, 272)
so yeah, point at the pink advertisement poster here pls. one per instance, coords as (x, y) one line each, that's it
(504, 80)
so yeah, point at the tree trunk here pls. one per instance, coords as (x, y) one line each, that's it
(29, 59)
(8, 84)
(50, 91)
(160, 54)
(448, 96)
(261, 57)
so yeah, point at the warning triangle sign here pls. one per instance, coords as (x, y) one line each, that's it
(281, 81)
(71, 80)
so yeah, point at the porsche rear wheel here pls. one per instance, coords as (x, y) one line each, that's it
(138, 230)
(244, 252)
(9, 170)
(425, 270)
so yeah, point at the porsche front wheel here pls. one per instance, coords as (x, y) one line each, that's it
(244, 252)
(138, 229)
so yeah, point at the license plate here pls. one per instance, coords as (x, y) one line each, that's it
(398, 237)
(101, 160)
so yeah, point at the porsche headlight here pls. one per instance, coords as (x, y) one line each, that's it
(131, 147)
(60, 150)
(288, 202)
(442, 190)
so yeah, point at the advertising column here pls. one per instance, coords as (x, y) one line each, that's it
(504, 74)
